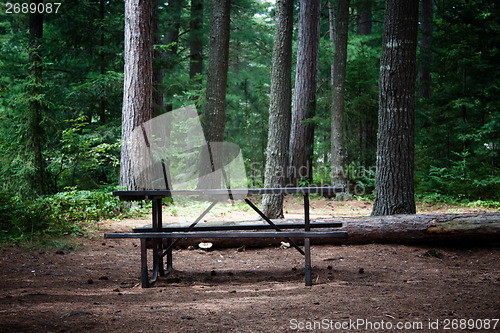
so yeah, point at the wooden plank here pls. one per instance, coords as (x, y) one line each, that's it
(137, 195)
(242, 227)
(267, 234)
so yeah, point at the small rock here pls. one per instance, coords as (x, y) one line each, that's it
(103, 278)
(74, 313)
(90, 281)
(205, 246)
(361, 271)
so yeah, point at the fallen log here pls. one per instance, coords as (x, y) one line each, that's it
(424, 228)
(443, 229)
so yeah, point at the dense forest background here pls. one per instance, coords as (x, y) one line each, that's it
(61, 99)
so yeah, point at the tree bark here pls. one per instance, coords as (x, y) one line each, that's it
(337, 163)
(394, 188)
(215, 106)
(279, 109)
(421, 229)
(425, 79)
(158, 68)
(218, 59)
(174, 9)
(364, 17)
(366, 122)
(196, 40)
(38, 180)
(304, 98)
(138, 89)
(102, 63)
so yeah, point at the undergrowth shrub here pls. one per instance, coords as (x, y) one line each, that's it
(66, 213)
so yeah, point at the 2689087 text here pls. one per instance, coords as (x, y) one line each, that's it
(31, 8)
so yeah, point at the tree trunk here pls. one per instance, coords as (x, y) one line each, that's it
(196, 40)
(279, 109)
(394, 188)
(138, 89)
(421, 229)
(364, 17)
(337, 163)
(158, 68)
(425, 79)
(38, 180)
(218, 59)
(102, 64)
(174, 9)
(364, 22)
(215, 106)
(304, 99)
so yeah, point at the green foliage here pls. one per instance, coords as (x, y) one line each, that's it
(66, 213)
(458, 128)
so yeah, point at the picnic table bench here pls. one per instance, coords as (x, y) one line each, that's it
(157, 232)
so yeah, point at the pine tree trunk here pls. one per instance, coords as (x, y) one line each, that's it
(425, 79)
(304, 99)
(218, 59)
(158, 66)
(138, 89)
(279, 109)
(338, 92)
(102, 64)
(364, 17)
(38, 180)
(171, 38)
(215, 106)
(394, 188)
(195, 40)
(364, 22)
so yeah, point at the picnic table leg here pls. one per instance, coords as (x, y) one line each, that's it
(307, 242)
(308, 269)
(157, 259)
(159, 249)
(144, 264)
(169, 255)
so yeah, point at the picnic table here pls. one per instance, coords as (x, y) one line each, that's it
(157, 232)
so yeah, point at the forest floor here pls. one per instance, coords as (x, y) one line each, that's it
(89, 284)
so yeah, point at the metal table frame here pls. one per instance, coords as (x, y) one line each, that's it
(157, 232)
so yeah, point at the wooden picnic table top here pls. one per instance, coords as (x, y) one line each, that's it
(143, 194)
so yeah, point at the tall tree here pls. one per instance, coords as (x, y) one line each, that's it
(338, 93)
(158, 98)
(196, 40)
(364, 18)
(138, 86)
(218, 59)
(394, 188)
(279, 109)
(102, 60)
(174, 10)
(424, 75)
(304, 98)
(35, 107)
(215, 106)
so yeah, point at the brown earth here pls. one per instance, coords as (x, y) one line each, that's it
(92, 284)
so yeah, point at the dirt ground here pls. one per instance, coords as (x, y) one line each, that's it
(92, 285)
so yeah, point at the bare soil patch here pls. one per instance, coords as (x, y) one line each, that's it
(95, 286)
